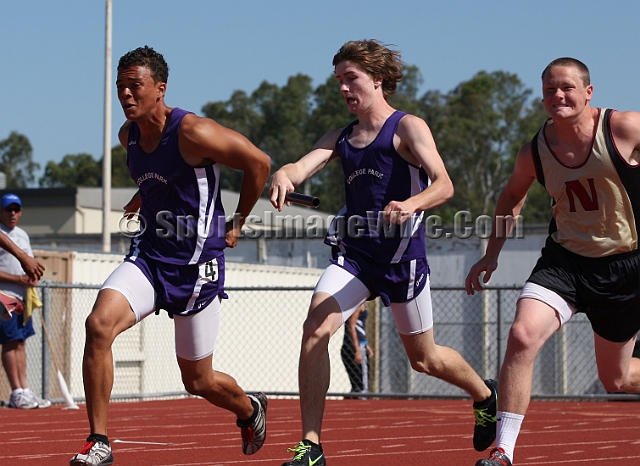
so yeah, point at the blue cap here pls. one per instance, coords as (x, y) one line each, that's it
(9, 199)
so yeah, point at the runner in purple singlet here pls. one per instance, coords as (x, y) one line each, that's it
(392, 175)
(176, 263)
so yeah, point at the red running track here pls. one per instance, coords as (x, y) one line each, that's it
(356, 433)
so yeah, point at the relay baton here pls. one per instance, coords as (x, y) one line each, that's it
(302, 199)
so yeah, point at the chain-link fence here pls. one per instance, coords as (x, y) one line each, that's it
(478, 326)
(259, 343)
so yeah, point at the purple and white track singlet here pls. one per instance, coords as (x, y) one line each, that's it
(182, 212)
(374, 176)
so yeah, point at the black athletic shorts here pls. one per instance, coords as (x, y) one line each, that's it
(606, 289)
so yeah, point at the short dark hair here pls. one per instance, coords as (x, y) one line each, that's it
(571, 62)
(149, 58)
(376, 59)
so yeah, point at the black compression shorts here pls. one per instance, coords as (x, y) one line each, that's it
(606, 289)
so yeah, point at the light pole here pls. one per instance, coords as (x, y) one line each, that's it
(106, 161)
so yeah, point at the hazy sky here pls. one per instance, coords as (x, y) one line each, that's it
(52, 52)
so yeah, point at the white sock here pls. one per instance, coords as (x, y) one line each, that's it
(508, 430)
(16, 392)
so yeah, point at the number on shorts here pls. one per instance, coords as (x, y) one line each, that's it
(209, 270)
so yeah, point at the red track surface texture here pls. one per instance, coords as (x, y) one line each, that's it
(356, 433)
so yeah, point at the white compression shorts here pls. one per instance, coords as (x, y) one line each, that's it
(412, 317)
(534, 291)
(195, 334)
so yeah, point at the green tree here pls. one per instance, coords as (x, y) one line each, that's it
(273, 118)
(479, 127)
(73, 170)
(120, 177)
(406, 96)
(83, 170)
(16, 160)
(284, 131)
(240, 114)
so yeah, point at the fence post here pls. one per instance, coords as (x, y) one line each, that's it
(46, 306)
(373, 337)
(486, 319)
(499, 330)
(562, 383)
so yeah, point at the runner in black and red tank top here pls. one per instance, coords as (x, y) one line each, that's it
(588, 159)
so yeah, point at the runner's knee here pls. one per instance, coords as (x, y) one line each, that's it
(525, 338)
(316, 329)
(105, 325)
(99, 328)
(195, 386)
(429, 363)
(324, 319)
